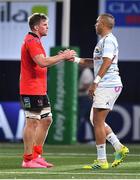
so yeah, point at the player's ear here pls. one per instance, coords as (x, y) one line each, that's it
(36, 28)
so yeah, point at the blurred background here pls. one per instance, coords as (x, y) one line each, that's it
(71, 24)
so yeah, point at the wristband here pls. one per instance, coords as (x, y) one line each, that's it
(97, 79)
(76, 60)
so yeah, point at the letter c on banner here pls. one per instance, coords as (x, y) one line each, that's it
(126, 121)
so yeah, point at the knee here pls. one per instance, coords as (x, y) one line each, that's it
(46, 122)
(93, 119)
(49, 121)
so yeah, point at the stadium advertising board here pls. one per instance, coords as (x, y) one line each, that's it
(127, 28)
(63, 97)
(14, 26)
(124, 119)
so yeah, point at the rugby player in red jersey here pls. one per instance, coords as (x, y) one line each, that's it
(33, 91)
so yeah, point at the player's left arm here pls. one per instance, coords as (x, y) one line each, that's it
(107, 58)
(102, 71)
(104, 67)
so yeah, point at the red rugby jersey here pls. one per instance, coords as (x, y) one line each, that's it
(33, 78)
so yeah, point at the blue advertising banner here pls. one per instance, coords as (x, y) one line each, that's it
(126, 13)
(127, 26)
(11, 121)
(124, 120)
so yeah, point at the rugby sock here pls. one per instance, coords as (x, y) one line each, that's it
(37, 151)
(27, 157)
(112, 138)
(101, 152)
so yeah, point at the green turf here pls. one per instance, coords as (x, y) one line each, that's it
(68, 161)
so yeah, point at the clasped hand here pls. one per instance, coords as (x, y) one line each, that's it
(68, 54)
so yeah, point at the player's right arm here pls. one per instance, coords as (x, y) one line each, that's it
(43, 61)
(35, 50)
(87, 62)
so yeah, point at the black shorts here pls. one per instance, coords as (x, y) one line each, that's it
(34, 102)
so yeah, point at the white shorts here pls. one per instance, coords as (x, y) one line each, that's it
(105, 97)
(44, 113)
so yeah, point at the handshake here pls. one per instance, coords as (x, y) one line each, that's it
(70, 55)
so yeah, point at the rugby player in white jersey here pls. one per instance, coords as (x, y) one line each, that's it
(105, 90)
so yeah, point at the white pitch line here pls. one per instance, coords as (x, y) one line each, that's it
(82, 154)
(63, 154)
(74, 173)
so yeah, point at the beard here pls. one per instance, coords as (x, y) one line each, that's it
(99, 31)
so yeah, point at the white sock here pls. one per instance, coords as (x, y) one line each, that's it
(112, 138)
(101, 152)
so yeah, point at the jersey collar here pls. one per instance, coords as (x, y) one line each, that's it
(33, 34)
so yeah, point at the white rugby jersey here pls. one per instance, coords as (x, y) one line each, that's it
(107, 47)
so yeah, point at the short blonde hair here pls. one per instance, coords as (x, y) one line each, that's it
(35, 19)
(108, 19)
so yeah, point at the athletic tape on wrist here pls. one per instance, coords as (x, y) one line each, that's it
(77, 59)
(97, 79)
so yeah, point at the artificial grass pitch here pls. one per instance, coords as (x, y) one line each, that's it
(68, 161)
